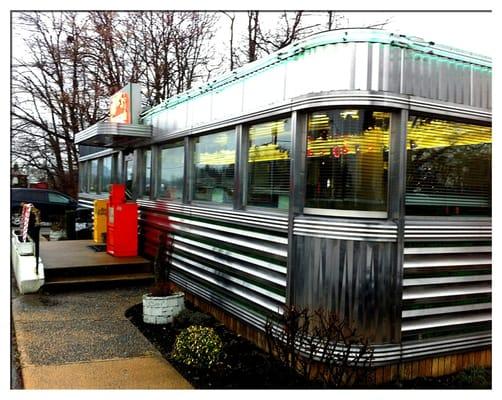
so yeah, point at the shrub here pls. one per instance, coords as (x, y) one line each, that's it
(197, 346)
(473, 377)
(326, 340)
(188, 317)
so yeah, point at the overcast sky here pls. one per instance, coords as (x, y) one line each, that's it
(472, 31)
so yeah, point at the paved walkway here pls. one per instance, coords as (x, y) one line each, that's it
(82, 340)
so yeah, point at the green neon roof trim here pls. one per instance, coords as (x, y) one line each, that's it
(325, 38)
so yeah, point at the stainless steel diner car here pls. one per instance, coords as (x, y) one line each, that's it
(350, 171)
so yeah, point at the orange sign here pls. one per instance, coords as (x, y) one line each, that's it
(120, 108)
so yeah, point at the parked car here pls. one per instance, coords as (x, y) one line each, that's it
(53, 207)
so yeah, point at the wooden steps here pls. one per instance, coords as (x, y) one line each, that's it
(72, 262)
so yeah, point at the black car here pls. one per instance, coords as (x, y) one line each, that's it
(53, 205)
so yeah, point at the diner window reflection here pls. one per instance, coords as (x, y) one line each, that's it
(347, 159)
(172, 160)
(214, 167)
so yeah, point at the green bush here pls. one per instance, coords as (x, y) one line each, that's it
(473, 377)
(197, 346)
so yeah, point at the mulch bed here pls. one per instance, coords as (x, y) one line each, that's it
(242, 365)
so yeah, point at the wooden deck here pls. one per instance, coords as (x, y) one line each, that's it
(76, 253)
(69, 262)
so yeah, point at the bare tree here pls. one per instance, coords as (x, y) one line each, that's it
(48, 95)
(289, 28)
(253, 28)
(282, 30)
(231, 16)
(74, 61)
(335, 20)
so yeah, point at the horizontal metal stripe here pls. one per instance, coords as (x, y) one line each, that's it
(348, 224)
(240, 232)
(235, 266)
(227, 277)
(447, 222)
(345, 237)
(444, 250)
(227, 304)
(447, 261)
(448, 231)
(436, 322)
(446, 279)
(419, 104)
(445, 310)
(249, 221)
(113, 128)
(413, 103)
(345, 230)
(433, 349)
(239, 256)
(230, 288)
(451, 236)
(445, 342)
(86, 204)
(333, 212)
(273, 250)
(336, 229)
(268, 220)
(348, 232)
(410, 293)
(97, 154)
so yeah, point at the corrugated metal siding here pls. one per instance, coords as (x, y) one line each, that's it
(446, 287)
(241, 266)
(349, 267)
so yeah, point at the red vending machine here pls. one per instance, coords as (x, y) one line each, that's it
(122, 224)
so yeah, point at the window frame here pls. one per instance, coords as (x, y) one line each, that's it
(101, 168)
(244, 160)
(454, 119)
(142, 173)
(336, 212)
(83, 177)
(90, 178)
(157, 180)
(236, 198)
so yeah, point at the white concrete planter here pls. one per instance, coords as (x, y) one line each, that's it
(23, 248)
(162, 309)
(24, 264)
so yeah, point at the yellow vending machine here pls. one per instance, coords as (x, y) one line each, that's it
(100, 214)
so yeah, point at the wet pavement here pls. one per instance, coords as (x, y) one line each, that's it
(81, 339)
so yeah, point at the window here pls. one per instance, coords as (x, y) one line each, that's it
(129, 171)
(93, 178)
(448, 167)
(172, 160)
(82, 177)
(214, 159)
(268, 164)
(347, 160)
(147, 173)
(57, 198)
(107, 174)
